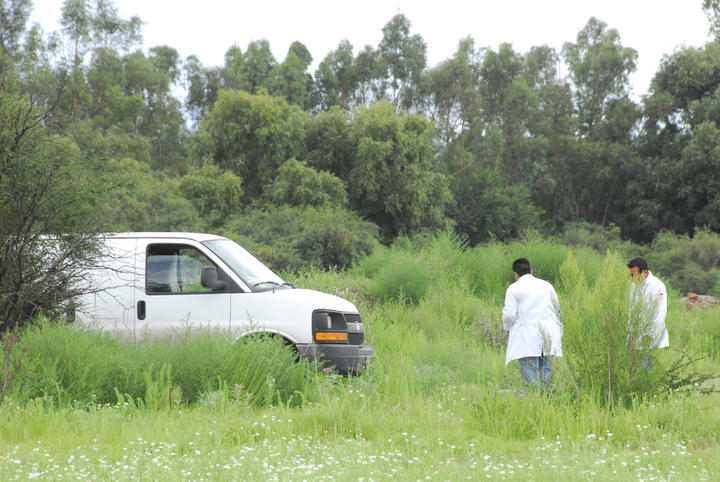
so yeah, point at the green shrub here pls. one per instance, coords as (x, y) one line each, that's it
(488, 270)
(597, 359)
(403, 277)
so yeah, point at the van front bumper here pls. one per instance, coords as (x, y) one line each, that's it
(345, 359)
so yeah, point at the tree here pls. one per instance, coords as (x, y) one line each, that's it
(336, 78)
(487, 208)
(402, 61)
(712, 10)
(250, 135)
(599, 67)
(109, 30)
(76, 20)
(329, 143)
(297, 184)
(289, 79)
(215, 193)
(50, 211)
(203, 85)
(143, 200)
(295, 237)
(14, 15)
(368, 70)
(676, 145)
(451, 90)
(394, 183)
(257, 63)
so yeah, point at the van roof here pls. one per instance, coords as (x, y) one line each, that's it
(200, 237)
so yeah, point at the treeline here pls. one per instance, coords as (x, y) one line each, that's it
(316, 167)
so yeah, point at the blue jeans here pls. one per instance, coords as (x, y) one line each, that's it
(534, 369)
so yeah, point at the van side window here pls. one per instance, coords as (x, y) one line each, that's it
(174, 268)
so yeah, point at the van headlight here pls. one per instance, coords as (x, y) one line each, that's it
(337, 327)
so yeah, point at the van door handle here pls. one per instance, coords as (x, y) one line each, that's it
(141, 310)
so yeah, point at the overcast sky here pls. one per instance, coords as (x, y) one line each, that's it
(207, 28)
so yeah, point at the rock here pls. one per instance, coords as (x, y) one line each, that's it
(693, 300)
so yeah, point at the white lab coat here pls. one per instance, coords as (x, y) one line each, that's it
(653, 296)
(532, 316)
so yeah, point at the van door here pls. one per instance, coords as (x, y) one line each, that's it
(170, 296)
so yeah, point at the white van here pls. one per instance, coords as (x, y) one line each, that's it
(154, 284)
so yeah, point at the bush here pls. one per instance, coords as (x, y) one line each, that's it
(402, 277)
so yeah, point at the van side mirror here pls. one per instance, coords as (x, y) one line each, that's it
(209, 279)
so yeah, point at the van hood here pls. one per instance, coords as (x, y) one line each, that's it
(315, 299)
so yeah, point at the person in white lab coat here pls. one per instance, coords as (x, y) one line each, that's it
(648, 309)
(532, 316)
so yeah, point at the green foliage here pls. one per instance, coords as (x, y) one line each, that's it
(600, 355)
(143, 200)
(288, 238)
(487, 208)
(687, 264)
(393, 180)
(297, 184)
(69, 365)
(250, 135)
(45, 190)
(216, 194)
(600, 238)
(402, 278)
(329, 143)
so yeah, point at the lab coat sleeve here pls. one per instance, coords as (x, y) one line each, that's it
(509, 313)
(660, 311)
(556, 308)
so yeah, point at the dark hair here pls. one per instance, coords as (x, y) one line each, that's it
(521, 266)
(639, 263)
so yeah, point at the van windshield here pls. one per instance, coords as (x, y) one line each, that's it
(244, 264)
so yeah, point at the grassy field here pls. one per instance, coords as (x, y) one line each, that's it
(438, 402)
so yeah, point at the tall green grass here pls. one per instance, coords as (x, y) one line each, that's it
(69, 365)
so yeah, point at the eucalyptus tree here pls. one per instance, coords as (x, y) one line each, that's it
(599, 68)
(289, 79)
(76, 24)
(98, 31)
(451, 91)
(402, 60)
(712, 10)
(368, 70)
(14, 15)
(204, 83)
(258, 61)
(336, 78)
